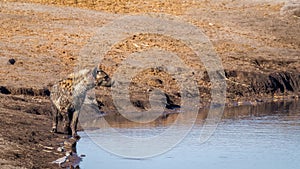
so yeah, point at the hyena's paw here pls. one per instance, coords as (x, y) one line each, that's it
(76, 136)
(67, 130)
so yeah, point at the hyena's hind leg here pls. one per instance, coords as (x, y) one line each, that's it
(55, 115)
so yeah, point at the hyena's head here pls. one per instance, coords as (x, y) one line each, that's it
(101, 78)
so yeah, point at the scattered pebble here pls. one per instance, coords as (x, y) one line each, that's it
(12, 61)
(47, 151)
(68, 153)
(60, 160)
(70, 142)
(60, 149)
(137, 46)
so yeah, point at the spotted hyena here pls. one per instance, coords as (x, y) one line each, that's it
(68, 95)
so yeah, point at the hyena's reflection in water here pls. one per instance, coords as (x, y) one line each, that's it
(68, 95)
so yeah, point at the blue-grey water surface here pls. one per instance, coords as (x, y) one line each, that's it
(260, 137)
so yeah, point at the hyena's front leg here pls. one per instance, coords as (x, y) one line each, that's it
(74, 123)
(67, 115)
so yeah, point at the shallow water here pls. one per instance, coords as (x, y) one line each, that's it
(261, 137)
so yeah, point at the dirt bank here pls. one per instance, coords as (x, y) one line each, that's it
(25, 139)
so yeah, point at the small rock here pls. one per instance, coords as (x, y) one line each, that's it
(12, 61)
(68, 153)
(60, 149)
(71, 142)
(60, 160)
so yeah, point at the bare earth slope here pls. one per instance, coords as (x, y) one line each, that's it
(249, 38)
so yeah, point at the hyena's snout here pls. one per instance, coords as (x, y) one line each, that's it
(106, 82)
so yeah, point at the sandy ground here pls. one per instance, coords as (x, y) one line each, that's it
(46, 40)
(257, 41)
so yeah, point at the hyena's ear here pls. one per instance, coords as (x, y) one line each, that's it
(94, 71)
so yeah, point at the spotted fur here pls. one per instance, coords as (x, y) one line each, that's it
(68, 95)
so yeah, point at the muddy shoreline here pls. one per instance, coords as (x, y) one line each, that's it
(259, 52)
(27, 142)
